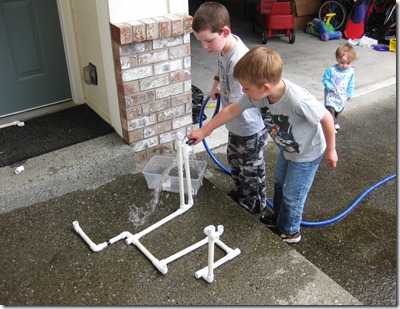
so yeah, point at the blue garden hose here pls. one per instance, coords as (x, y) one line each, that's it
(303, 223)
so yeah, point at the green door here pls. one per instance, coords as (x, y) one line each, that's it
(33, 69)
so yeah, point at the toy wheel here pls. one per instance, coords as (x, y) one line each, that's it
(292, 36)
(336, 7)
(264, 37)
(325, 37)
(307, 30)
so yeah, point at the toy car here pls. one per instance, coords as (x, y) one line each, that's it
(323, 29)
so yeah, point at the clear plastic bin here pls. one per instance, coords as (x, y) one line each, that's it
(162, 172)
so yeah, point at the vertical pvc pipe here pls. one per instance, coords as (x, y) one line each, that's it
(179, 139)
(210, 270)
(188, 176)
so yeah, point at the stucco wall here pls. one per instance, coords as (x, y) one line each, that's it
(86, 25)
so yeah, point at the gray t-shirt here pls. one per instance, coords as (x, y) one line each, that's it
(296, 127)
(250, 121)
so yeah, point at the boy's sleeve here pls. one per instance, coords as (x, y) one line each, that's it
(326, 80)
(244, 102)
(350, 87)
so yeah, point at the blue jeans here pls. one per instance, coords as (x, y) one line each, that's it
(292, 183)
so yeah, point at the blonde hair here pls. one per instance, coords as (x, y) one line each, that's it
(212, 16)
(258, 66)
(346, 50)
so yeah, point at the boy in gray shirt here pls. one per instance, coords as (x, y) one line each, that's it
(248, 136)
(301, 127)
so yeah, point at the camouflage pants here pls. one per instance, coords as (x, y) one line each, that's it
(246, 157)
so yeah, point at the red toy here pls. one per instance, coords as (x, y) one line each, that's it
(275, 18)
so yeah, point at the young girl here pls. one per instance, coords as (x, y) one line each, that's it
(338, 81)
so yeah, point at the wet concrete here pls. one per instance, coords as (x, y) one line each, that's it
(44, 262)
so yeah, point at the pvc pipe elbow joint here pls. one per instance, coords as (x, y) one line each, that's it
(185, 207)
(161, 266)
(233, 253)
(92, 245)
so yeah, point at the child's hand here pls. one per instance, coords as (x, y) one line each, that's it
(197, 135)
(331, 158)
(214, 91)
(333, 90)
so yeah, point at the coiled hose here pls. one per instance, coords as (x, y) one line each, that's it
(303, 223)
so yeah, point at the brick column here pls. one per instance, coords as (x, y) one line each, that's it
(152, 70)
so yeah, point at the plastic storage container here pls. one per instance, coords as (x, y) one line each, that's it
(162, 172)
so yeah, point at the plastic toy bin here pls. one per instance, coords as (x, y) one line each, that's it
(392, 45)
(161, 172)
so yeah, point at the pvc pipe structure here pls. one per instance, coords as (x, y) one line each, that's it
(213, 238)
(184, 151)
(14, 123)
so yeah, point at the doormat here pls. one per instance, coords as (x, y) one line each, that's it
(50, 132)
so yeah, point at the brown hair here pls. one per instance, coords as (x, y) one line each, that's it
(212, 16)
(346, 50)
(258, 66)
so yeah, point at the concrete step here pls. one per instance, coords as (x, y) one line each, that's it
(86, 165)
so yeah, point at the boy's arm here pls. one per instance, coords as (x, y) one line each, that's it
(329, 132)
(225, 115)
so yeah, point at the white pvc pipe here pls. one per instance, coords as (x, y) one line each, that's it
(186, 151)
(93, 246)
(161, 266)
(185, 251)
(210, 269)
(183, 154)
(202, 273)
(159, 223)
(183, 158)
(180, 175)
(123, 235)
(14, 123)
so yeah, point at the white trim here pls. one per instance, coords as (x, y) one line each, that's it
(108, 63)
(175, 6)
(71, 52)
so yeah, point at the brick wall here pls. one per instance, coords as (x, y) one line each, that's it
(153, 74)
